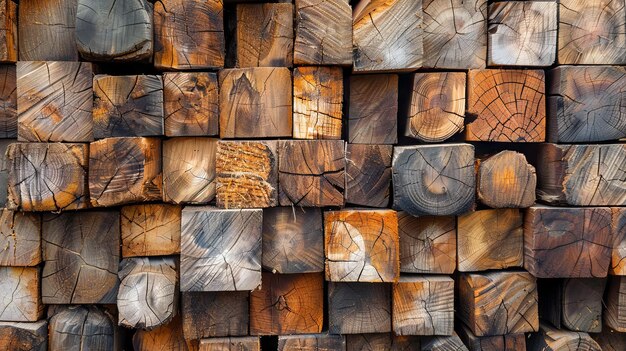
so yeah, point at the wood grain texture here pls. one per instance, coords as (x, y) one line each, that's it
(4, 144)
(434, 180)
(311, 172)
(57, 108)
(20, 238)
(214, 314)
(150, 230)
(506, 180)
(372, 116)
(77, 328)
(355, 308)
(127, 106)
(189, 34)
(8, 101)
(586, 104)
(427, 244)
(610, 340)
(382, 341)
(551, 339)
(312, 342)
(455, 34)
(249, 108)
(111, 30)
(508, 105)
(168, 337)
(47, 177)
(368, 174)
(498, 302)
(361, 246)
(8, 31)
(437, 110)
(246, 343)
(20, 300)
(574, 303)
(190, 104)
(80, 248)
(220, 249)
(592, 32)
(618, 232)
(387, 35)
(508, 342)
(615, 304)
(21, 336)
(443, 343)
(293, 240)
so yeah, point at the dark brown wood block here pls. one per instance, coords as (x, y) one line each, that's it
(382, 341)
(507, 342)
(444, 343)
(8, 100)
(20, 336)
(8, 31)
(20, 298)
(20, 238)
(168, 337)
(312, 342)
(372, 116)
(427, 244)
(213, 314)
(4, 143)
(247, 343)
(618, 229)
(355, 308)
(368, 174)
(574, 304)
(76, 328)
(615, 304)
(610, 340)
(150, 230)
(506, 180)
(564, 242)
(551, 339)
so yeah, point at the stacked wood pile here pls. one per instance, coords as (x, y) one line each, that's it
(203, 175)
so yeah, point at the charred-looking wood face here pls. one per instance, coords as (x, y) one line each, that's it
(506, 180)
(311, 342)
(20, 238)
(220, 249)
(8, 31)
(618, 232)
(4, 144)
(214, 314)
(615, 302)
(368, 174)
(578, 305)
(427, 244)
(188, 34)
(20, 300)
(58, 108)
(551, 338)
(150, 230)
(81, 328)
(434, 180)
(47, 177)
(244, 343)
(111, 30)
(355, 308)
(166, 337)
(8, 101)
(21, 336)
(609, 340)
(80, 248)
(508, 105)
(372, 118)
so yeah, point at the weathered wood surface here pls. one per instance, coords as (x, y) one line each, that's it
(111, 30)
(618, 232)
(58, 108)
(551, 339)
(293, 240)
(312, 342)
(508, 342)
(20, 238)
(610, 340)
(246, 343)
(434, 180)
(586, 104)
(246, 174)
(189, 34)
(8, 31)
(150, 230)
(574, 303)
(77, 328)
(311, 172)
(382, 341)
(387, 35)
(615, 304)
(323, 32)
(20, 300)
(355, 308)
(361, 246)
(20, 336)
(168, 337)
(368, 174)
(47, 177)
(437, 110)
(423, 305)
(506, 105)
(427, 244)
(190, 104)
(127, 106)
(264, 35)
(8, 100)
(592, 32)
(373, 109)
(506, 180)
(443, 343)
(455, 34)
(79, 249)
(497, 303)
(255, 102)
(4, 143)
(213, 314)
(220, 249)
(288, 304)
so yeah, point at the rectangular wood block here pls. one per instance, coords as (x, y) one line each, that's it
(355, 308)
(97, 329)
(427, 244)
(220, 249)
(168, 337)
(372, 116)
(20, 238)
(4, 144)
(22, 336)
(8, 28)
(150, 230)
(312, 342)
(506, 180)
(564, 242)
(610, 340)
(615, 304)
(20, 300)
(436, 343)
(214, 314)
(8, 100)
(618, 229)
(551, 338)
(382, 341)
(368, 174)
(512, 342)
(245, 343)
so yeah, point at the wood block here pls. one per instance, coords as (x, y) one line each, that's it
(47, 177)
(20, 300)
(19, 336)
(490, 239)
(110, 30)
(443, 343)
(506, 180)
(56, 109)
(368, 174)
(511, 342)
(189, 34)
(246, 174)
(288, 304)
(264, 35)
(76, 328)
(564, 242)
(168, 337)
(4, 143)
(224, 259)
(522, 33)
(551, 339)
(355, 308)
(317, 102)
(615, 304)
(585, 104)
(190, 103)
(249, 108)
(8, 99)
(47, 30)
(8, 31)
(581, 175)
(211, 314)
(361, 246)
(592, 32)
(506, 105)
(246, 343)
(574, 304)
(610, 340)
(387, 36)
(372, 116)
(150, 230)
(311, 172)
(382, 341)
(437, 110)
(293, 240)
(323, 33)
(455, 34)
(125, 170)
(80, 248)
(436, 180)
(127, 106)
(189, 170)
(312, 342)
(618, 231)
(20, 238)
(423, 305)
(427, 244)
